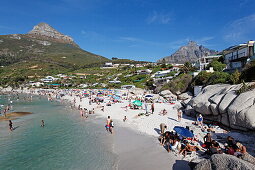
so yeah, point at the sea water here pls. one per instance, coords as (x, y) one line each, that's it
(67, 141)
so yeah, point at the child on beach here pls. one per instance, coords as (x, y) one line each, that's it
(111, 127)
(125, 119)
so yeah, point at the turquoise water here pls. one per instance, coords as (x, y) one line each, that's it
(66, 142)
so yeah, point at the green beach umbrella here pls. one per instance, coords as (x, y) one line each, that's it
(137, 103)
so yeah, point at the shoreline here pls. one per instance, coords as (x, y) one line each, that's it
(146, 126)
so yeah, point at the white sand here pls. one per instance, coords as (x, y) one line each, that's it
(148, 125)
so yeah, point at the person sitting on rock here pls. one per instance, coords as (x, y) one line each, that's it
(229, 150)
(200, 120)
(231, 142)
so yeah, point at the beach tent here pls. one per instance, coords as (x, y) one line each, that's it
(137, 103)
(149, 96)
(183, 132)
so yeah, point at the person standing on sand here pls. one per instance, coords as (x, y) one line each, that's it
(108, 121)
(10, 125)
(162, 128)
(111, 127)
(42, 123)
(146, 108)
(179, 114)
(152, 108)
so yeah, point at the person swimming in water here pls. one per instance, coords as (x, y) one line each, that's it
(42, 124)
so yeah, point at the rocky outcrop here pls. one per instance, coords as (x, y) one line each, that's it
(191, 52)
(45, 31)
(223, 162)
(222, 103)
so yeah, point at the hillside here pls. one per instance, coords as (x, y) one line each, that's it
(45, 50)
(189, 53)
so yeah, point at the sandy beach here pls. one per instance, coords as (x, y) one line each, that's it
(136, 139)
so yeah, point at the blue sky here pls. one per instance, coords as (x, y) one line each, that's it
(136, 29)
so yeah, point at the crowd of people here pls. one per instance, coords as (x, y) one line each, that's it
(181, 145)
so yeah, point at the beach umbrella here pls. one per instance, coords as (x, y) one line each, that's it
(137, 103)
(183, 132)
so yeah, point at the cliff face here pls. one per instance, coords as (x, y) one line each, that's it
(45, 31)
(189, 53)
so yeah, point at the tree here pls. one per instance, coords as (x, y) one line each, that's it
(187, 67)
(217, 66)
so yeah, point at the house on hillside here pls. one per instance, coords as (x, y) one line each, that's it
(49, 79)
(162, 73)
(140, 72)
(203, 62)
(107, 65)
(236, 57)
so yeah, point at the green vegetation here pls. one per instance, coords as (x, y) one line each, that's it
(187, 67)
(178, 84)
(235, 77)
(205, 78)
(217, 66)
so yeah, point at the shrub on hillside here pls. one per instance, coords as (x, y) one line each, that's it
(235, 77)
(217, 66)
(218, 78)
(204, 78)
(178, 84)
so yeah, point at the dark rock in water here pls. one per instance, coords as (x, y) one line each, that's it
(224, 162)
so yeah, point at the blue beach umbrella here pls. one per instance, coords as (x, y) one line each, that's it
(183, 132)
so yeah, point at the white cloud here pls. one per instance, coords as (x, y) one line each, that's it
(240, 30)
(171, 45)
(159, 18)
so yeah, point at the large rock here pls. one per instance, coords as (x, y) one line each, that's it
(224, 162)
(242, 111)
(222, 103)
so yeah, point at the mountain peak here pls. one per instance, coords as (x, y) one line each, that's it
(192, 43)
(190, 52)
(45, 31)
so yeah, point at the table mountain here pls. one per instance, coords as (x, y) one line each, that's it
(189, 53)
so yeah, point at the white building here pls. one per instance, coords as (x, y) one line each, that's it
(147, 71)
(203, 62)
(237, 56)
(49, 79)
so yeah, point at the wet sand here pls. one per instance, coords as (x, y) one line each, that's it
(139, 151)
(14, 115)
